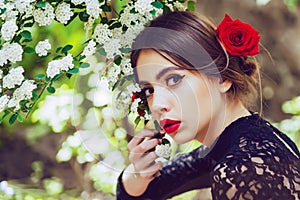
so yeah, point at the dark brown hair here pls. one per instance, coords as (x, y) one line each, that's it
(190, 42)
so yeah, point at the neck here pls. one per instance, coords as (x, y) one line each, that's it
(221, 119)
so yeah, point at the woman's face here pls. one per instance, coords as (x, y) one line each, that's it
(184, 102)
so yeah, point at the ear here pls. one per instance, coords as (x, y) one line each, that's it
(224, 85)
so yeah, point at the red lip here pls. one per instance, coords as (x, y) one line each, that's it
(169, 125)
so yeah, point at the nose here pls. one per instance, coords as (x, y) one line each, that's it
(160, 102)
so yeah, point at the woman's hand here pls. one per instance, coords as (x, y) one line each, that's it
(142, 155)
(143, 167)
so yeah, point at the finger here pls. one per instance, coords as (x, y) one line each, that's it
(138, 138)
(145, 161)
(151, 171)
(138, 151)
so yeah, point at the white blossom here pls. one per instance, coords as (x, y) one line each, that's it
(126, 67)
(1, 74)
(112, 47)
(90, 49)
(8, 29)
(14, 52)
(25, 7)
(3, 102)
(77, 2)
(134, 105)
(57, 66)
(24, 92)
(113, 74)
(93, 8)
(143, 6)
(44, 16)
(13, 78)
(89, 25)
(163, 150)
(179, 6)
(63, 13)
(42, 47)
(102, 33)
(10, 12)
(126, 18)
(147, 116)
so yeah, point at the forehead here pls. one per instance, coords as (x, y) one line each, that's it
(149, 56)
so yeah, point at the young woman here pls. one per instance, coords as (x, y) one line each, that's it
(199, 82)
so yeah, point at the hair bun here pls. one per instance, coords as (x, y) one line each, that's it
(248, 68)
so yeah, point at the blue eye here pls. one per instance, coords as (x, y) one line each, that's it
(174, 79)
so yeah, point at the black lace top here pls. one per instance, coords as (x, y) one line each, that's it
(250, 160)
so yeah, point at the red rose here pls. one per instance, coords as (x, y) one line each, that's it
(134, 96)
(238, 38)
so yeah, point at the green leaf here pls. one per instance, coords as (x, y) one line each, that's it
(137, 120)
(157, 126)
(17, 38)
(51, 89)
(68, 75)
(35, 96)
(26, 34)
(191, 5)
(165, 141)
(66, 48)
(102, 52)
(29, 24)
(29, 50)
(73, 71)
(125, 50)
(58, 49)
(40, 4)
(153, 12)
(118, 60)
(4, 116)
(115, 25)
(157, 4)
(81, 58)
(116, 85)
(13, 118)
(19, 118)
(83, 16)
(40, 76)
(130, 77)
(84, 65)
(56, 77)
(106, 8)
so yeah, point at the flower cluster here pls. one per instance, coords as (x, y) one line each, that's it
(238, 38)
(110, 38)
(42, 47)
(55, 67)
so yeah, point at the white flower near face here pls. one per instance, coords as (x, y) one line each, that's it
(9, 29)
(143, 6)
(90, 49)
(112, 47)
(126, 67)
(93, 8)
(134, 105)
(42, 47)
(3, 102)
(102, 33)
(57, 66)
(179, 6)
(3, 57)
(163, 150)
(44, 16)
(63, 13)
(113, 74)
(13, 78)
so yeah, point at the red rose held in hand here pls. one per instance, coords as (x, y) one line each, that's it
(238, 38)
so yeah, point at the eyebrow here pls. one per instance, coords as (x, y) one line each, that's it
(161, 74)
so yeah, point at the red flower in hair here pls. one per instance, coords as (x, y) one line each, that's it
(238, 38)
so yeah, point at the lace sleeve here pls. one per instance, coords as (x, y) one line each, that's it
(183, 173)
(258, 169)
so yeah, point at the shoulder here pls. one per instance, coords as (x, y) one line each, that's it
(262, 162)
